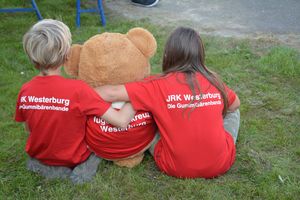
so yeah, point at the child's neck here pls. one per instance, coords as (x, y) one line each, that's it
(52, 72)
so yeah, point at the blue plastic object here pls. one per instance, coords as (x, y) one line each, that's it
(33, 9)
(99, 9)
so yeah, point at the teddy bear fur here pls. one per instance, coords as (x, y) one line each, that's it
(113, 58)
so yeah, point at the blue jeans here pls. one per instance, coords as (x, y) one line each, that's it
(84, 172)
(232, 123)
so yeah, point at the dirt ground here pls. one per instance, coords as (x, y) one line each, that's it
(275, 20)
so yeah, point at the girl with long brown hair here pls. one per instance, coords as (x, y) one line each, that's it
(196, 113)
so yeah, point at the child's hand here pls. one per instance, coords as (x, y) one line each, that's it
(119, 118)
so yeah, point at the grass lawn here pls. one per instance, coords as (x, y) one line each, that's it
(265, 76)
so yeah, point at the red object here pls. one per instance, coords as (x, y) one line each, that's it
(193, 142)
(110, 142)
(56, 111)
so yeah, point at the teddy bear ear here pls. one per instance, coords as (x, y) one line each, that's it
(143, 40)
(71, 65)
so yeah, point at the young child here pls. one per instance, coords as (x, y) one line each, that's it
(55, 109)
(197, 115)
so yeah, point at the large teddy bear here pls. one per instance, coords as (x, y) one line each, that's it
(114, 58)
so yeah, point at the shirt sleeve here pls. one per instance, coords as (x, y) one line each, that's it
(90, 102)
(230, 95)
(141, 95)
(18, 114)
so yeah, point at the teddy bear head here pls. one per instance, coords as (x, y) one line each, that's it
(112, 58)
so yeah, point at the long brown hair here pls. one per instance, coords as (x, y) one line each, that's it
(184, 52)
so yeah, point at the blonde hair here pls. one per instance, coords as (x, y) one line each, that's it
(47, 44)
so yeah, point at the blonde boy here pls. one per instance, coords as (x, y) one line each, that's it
(55, 109)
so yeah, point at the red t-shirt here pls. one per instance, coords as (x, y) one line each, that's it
(56, 110)
(110, 142)
(193, 144)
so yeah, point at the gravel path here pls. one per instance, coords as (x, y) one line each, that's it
(277, 20)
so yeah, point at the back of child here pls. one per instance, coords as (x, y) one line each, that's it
(195, 112)
(55, 109)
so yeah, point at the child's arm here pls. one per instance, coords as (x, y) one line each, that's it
(112, 93)
(235, 105)
(119, 118)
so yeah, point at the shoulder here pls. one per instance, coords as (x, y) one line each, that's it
(146, 82)
(74, 83)
(83, 85)
(158, 78)
(28, 84)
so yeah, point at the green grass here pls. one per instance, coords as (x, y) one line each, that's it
(265, 76)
